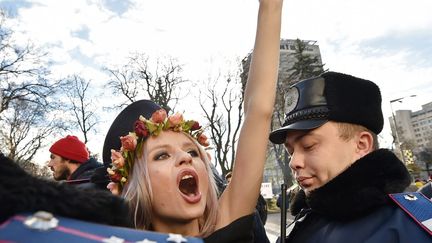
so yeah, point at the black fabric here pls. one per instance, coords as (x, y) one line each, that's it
(21, 192)
(355, 206)
(100, 178)
(331, 96)
(85, 170)
(259, 233)
(239, 231)
(372, 177)
(261, 208)
(353, 100)
(84, 176)
(298, 203)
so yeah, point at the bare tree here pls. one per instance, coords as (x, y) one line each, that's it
(25, 99)
(22, 71)
(82, 106)
(138, 79)
(39, 170)
(25, 128)
(224, 116)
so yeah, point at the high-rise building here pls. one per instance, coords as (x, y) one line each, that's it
(413, 126)
(413, 132)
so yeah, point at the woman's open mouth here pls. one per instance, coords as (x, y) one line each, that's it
(188, 186)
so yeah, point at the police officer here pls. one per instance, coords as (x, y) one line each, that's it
(330, 131)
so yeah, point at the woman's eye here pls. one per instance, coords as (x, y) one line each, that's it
(193, 153)
(161, 156)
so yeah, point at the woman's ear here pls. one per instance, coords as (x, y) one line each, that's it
(365, 143)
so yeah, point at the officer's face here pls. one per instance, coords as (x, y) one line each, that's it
(59, 167)
(319, 155)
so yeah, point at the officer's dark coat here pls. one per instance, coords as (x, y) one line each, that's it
(355, 206)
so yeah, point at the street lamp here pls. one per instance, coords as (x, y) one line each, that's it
(395, 125)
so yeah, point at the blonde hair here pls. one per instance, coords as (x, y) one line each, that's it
(138, 193)
(347, 131)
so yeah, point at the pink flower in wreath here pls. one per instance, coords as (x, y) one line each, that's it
(202, 139)
(159, 116)
(129, 142)
(117, 159)
(175, 119)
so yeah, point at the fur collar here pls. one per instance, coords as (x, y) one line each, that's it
(21, 192)
(359, 189)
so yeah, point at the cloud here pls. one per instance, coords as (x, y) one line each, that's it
(386, 41)
(118, 7)
(12, 6)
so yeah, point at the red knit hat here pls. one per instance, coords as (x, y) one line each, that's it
(70, 148)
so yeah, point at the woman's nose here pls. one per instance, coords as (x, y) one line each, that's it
(183, 157)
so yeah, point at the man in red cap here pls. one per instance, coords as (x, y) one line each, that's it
(70, 161)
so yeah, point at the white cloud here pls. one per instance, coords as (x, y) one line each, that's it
(356, 37)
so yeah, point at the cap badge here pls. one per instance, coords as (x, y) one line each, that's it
(291, 100)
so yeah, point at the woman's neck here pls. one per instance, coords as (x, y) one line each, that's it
(190, 228)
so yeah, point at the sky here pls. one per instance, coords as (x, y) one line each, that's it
(386, 41)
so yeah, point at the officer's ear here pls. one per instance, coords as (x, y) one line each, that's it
(364, 143)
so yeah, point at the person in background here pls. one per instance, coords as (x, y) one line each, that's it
(351, 189)
(70, 162)
(290, 194)
(419, 183)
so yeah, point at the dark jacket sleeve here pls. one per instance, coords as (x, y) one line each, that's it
(21, 192)
(426, 190)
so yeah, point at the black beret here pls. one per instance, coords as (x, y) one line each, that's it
(123, 124)
(331, 96)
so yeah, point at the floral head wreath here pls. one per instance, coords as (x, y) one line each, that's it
(122, 161)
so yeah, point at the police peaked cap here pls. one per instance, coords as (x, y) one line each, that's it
(331, 96)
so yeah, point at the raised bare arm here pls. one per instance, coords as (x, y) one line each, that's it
(240, 197)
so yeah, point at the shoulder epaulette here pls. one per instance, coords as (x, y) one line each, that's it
(417, 206)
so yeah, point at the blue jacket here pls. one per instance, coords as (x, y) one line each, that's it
(386, 224)
(355, 206)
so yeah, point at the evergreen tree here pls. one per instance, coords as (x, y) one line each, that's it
(305, 65)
